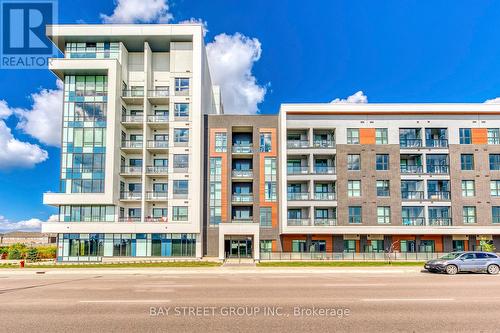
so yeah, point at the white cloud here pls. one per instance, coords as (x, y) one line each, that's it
(357, 98)
(139, 11)
(33, 224)
(488, 101)
(5, 111)
(43, 120)
(193, 20)
(16, 153)
(231, 59)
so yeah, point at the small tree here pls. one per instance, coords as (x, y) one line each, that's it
(32, 254)
(15, 254)
(487, 246)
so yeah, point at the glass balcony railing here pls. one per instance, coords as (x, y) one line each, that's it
(159, 93)
(294, 144)
(298, 222)
(410, 143)
(152, 195)
(325, 222)
(158, 144)
(436, 143)
(132, 118)
(133, 93)
(439, 221)
(131, 144)
(242, 197)
(129, 219)
(324, 196)
(440, 169)
(297, 170)
(92, 54)
(439, 195)
(242, 173)
(413, 221)
(412, 169)
(324, 144)
(294, 196)
(156, 169)
(242, 148)
(156, 219)
(131, 195)
(324, 170)
(158, 118)
(131, 169)
(412, 195)
(242, 219)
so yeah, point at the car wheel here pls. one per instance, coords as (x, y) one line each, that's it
(451, 269)
(493, 269)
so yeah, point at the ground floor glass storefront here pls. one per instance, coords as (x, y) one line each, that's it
(77, 247)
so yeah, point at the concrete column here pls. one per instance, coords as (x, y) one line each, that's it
(363, 241)
(338, 243)
(472, 242)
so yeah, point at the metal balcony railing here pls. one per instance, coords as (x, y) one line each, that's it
(412, 195)
(410, 143)
(324, 170)
(158, 118)
(133, 93)
(440, 221)
(413, 221)
(157, 144)
(131, 169)
(150, 195)
(299, 222)
(131, 195)
(412, 169)
(293, 196)
(436, 143)
(297, 170)
(440, 169)
(132, 118)
(129, 219)
(159, 93)
(242, 197)
(439, 195)
(242, 173)
(156, 169)
(324, 144)
(324, 222)
(132, 144)
(243, 148)
(324, 196)
(294, 144)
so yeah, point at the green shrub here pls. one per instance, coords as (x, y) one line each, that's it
(32, 254)
(15, 254)
(47, 252)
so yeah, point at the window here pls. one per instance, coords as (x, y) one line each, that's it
(181, 188)
(381, 137)
(493, 136)
(469, 214)
(354, 214)
(465, 136)
(181, 110)
(221, 142)
(354, 188)
(266, 246)
(298, 245)
(495, 188)
(179, 213)
(160, 212)
(215, 190)
(494, 162)
(182, 86)
(181, 162)
(383, 188)
(92, 213)
(468, 188)
(266, 219)
(467, 162)
(349, 245)
(265, 142)
(382, 162)
(270, 191)
(495, 214)
(353, 136)
(383, 215)
(181, 135)
(353, 162)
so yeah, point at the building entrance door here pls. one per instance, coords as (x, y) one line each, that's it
(238, 248)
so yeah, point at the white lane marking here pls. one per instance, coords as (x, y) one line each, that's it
(127, 301)
(407, 299)
(355, 285)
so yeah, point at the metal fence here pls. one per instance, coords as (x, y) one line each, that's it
(349, 256)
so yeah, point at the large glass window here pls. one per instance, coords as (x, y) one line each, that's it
(495, 188)
(221, 142)
(93, 50)
(179, 213)
(493, 136)
(181, 188)
(266, 219)
(181, 136)
(465, 136)
(353, 136)
(181, 110)
(215, 204)
(266, 245)
(468, 188)
(74, 213)
(381, 136)
(383, 188)
(383, 215)
(495, 214)
(382, 162)
(181, 162)
(354, 188)
(270, 190)
(467, 162)
(495, 162)
(469, 214)
(182, 86)
(353, 162)
(265, 142)
(355, 215)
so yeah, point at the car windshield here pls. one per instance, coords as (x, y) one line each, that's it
(452, 255)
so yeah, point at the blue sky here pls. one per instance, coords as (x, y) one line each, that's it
(393, 51)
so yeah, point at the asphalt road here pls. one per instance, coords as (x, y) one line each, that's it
(218, 300)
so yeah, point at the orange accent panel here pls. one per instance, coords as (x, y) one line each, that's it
(327, 239)
(287, 241)
(224, 180)
(438, 241)
(274, 246)
(367, 136)
(398, 239)
(358, 246)
(479, 136)
(466, 245)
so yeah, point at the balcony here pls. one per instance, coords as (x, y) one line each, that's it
(324, 170)
(156, 170)
(297, 144)
(242, 220)
(242, 148)
(294, 196)
(158, 96)
(297, 170)
(439, 221)
(156, 219)
(157, 145)
(324, 144)
(410, 143)
(156, 195)
(131, 195)
(324, 196)
(412, 169)
(412, 195)
(438, 169)
(436, 143)
(132, 120)
(242, 197)
(157, 119)
(439, 195)
(131, 170)
(130, 219)
(133, 97)
(132, 145)
(242, 174)
(328, 222)
(299, 222)
(413, 221)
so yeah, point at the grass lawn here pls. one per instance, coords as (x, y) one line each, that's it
(338, 264)
(122, 265)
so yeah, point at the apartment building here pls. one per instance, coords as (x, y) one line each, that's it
(373, 177)
(152, 167)
(135, 97)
